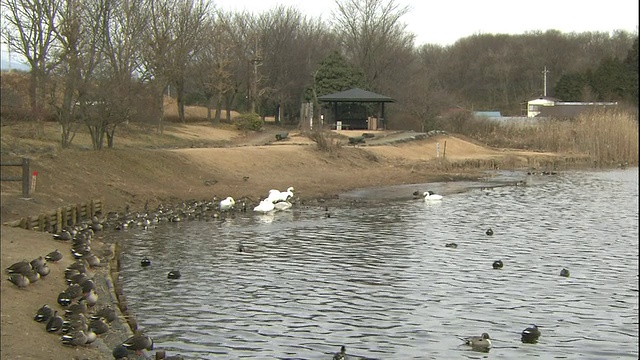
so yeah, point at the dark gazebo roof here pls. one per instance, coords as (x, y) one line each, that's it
(355, 95)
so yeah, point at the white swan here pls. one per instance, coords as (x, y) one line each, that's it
(282, 205)
(276, 195)
(265, 206)
(227, 204)
(430, 196)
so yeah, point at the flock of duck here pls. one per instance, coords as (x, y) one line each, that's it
(82, 324)
(78, 320)
(482, 343)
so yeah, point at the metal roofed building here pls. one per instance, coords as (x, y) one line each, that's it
(354, 112)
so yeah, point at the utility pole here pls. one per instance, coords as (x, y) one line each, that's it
(256, 61)
(544, 78)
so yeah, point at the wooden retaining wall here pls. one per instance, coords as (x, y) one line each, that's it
(54, 221)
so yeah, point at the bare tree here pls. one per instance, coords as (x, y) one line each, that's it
(212, 68)
(371, 34)
(29, 31)
(241, 33)
(290, 56)
(190, 19)
(122, 38)
(159, 40)
(80, 34)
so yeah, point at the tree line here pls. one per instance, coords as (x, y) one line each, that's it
(100, 63)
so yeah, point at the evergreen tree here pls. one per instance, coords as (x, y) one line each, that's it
(631, 63)
(336, 74)
(569, 87)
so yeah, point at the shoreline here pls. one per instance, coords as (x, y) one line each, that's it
(133, 179)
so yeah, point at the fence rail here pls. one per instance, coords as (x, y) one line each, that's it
(54, 221)
(25, 178)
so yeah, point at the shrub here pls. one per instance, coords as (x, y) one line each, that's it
(325, 141)
(249, 122)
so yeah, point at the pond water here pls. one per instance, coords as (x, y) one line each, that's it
(375, 275)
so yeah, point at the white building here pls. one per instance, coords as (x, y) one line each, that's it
(534, 106)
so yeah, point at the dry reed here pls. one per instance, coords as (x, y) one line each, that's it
(608, 137)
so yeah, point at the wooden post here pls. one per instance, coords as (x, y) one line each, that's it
(79, 212)
(25, 177)
(58, 220)
(41, 222)
(64, 217)
(444, 151)
(74, 213)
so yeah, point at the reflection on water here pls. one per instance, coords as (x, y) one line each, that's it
(376, 276)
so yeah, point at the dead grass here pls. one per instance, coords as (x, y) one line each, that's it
(609, 137)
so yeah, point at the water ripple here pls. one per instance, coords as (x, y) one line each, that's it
(377, 277)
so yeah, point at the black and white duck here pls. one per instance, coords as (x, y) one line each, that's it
(64, 299)
(55, 323)
(21, 267)
(43, 314)
(107, 313)
(64, 235)
(76, 338)
(19, 280)
(54, 256)
(530, 335)
(138, 343)
(99, 325)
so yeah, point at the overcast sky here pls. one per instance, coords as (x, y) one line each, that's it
(445, 21)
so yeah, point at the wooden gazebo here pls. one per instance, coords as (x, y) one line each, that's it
(352, 114)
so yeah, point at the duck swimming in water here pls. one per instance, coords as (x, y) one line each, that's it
(341, 355)
(498, 264)
(482, 342)
(530, 335)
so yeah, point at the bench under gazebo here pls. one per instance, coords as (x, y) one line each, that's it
(351, 110)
